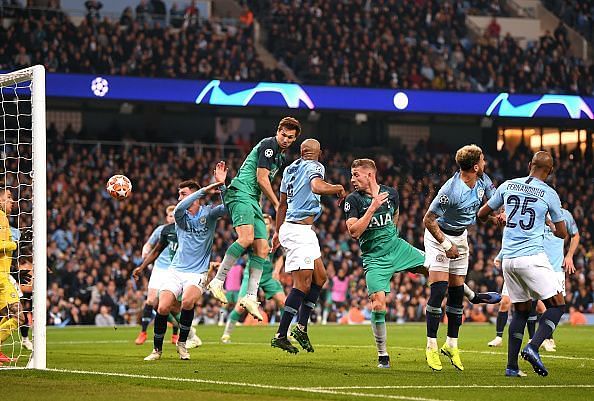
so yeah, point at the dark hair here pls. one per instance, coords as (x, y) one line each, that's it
(290, 123)
(193, 185)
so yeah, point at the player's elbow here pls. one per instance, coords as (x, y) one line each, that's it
(428, 219)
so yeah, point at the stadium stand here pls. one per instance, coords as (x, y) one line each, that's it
(577, 14)
(95, 242)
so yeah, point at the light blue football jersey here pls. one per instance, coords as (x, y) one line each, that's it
(164, 258)
(554, 246)
(195, 234)
(527, 201)
(301, 201)
(456, 203)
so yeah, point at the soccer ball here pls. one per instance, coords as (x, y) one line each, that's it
(119, 187)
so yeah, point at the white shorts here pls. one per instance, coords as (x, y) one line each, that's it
(530, 277)
(158, 277)
(301, 244)
(436, 259)
(504, 291)
(561, 278)
(177, 282)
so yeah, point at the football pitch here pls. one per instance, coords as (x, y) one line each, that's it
(105, 364)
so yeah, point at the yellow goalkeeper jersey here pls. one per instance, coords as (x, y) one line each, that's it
(7, 246)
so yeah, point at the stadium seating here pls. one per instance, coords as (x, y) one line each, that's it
(577, 14)
(94, 242)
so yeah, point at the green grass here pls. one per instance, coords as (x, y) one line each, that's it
(342, 366)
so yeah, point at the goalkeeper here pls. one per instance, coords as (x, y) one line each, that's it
(10, 318)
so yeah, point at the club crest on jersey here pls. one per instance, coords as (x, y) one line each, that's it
(202, 220)
(480, 193)
(444, 200)
(347, 207)
(268, 153)
(440, 258)
(307, 260)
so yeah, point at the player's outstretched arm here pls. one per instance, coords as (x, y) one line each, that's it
(263, 177)
(150, 258)
(321, 187)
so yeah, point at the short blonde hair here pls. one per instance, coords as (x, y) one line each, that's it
(365, 163)
(468, 156)
(170, 209)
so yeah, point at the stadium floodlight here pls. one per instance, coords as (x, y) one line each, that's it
(23, 173)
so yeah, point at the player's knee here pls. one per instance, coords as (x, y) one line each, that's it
(245, 238)
(13, 309)
(188, 304)
(505, 304)
(438, 293)
(263, 250)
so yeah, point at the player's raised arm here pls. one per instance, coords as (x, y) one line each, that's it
(321, 187)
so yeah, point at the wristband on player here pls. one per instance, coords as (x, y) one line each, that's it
(447, 244)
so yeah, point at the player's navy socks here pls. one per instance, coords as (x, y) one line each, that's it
(147, 316)
(185, 324)
(516, 334)
(292, 305)
(175, 330)
(24, 331)
(454, 310)
(309, 303)
(160, 329)
(500, 323)
(548, 323)
(174, 320)
(433, 308)
(532, 319)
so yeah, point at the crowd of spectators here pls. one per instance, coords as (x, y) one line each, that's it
(139, 44)
(415, 45)
(94, 242)
(578, 14)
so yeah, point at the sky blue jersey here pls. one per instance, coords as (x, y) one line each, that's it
(527, 201)
(164, 259)
(456, 203)
(301, 201)
(554, 246)
(195, 234)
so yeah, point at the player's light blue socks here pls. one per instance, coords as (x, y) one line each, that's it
(548, 322)
(378, 326)
(516, 334)
(160, 329)
(292, 305)
(309, 303)
(233, 253)
(256, 269)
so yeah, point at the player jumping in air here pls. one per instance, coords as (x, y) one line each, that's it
(527, 272)
(243, 202)
(301, 187)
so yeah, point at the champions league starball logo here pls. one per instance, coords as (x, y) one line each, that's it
(100, 87)
(292, 94)
(574, 106)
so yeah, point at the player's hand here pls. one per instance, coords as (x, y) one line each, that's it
(136, 273)
(453, 252)
(220, 172)
(568, 265)
(212, 266)
(23, 277)
(275, 243)
(501, 219)
(378, 200)
(341, 193)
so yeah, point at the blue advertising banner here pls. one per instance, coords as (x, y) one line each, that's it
(290, 95)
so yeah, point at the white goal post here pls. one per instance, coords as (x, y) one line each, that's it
(23, 172)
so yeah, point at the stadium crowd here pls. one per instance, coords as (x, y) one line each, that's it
(376, 43)
(577, 14)
(94, 242)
